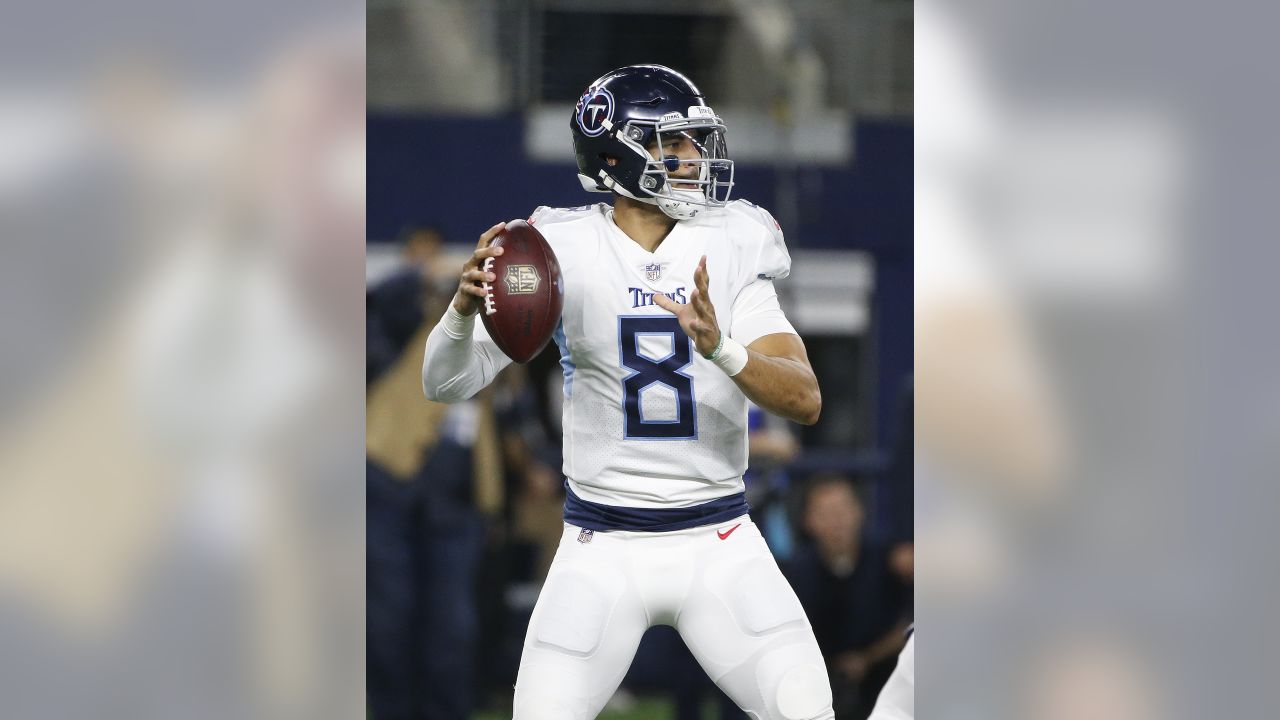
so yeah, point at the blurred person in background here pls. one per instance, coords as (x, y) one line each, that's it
(534, 484)
(395, 309)
(433, 480)
(656, 532)
(433, 600)
(859, 608)
(522, 542)
(771, 447)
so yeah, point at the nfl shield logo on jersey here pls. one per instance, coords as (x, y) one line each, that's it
(653, 271)
(585, 535)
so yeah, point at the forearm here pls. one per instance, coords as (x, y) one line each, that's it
(781, 386)
(889, 644)
(454, 368)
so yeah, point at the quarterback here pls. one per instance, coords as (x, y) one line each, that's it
(670, 324)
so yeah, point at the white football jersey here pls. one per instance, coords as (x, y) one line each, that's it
(647, 421)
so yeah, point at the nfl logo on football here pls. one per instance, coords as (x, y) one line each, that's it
(652, 271)
(522, 279)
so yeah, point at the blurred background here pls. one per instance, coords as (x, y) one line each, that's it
(468, 112)
(181, 412)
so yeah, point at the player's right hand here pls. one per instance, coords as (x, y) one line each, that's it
(470, 297)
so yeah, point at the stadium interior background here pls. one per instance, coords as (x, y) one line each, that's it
(468, 107)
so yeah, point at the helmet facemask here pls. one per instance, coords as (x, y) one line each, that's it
(713, 183)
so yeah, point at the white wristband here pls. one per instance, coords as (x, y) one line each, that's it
(731, 357)
(456, 325)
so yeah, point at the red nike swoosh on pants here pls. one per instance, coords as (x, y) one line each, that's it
(727, 533)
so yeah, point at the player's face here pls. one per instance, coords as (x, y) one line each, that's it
(682, 147)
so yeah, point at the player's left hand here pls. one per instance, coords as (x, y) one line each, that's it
(698, 318)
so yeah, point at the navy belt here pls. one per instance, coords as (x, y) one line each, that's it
(595, 516)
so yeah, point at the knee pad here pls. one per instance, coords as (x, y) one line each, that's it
(793, 678)
(804, 693)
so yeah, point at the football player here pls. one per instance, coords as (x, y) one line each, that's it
(670, 324)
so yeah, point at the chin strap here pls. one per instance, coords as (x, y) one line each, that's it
(615, 186)
(678, 209)
(674, 208)
(591, 185)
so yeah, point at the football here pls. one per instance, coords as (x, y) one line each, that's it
(522, 306)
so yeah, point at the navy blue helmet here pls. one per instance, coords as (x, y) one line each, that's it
(630, 112)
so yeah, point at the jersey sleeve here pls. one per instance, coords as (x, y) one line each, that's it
(539, 215)
(545, 215)
(773, 261)
(455, 366)
(756, 313)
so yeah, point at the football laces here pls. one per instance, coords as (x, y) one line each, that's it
(489, 307)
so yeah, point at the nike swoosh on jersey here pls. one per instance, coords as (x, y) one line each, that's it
(727, 533)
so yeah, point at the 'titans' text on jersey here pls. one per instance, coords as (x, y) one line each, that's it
(632, 377)
(640, 297)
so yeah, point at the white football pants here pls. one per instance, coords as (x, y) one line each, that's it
(719, 586)
(897, 699)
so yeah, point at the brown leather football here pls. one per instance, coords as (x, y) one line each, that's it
(523, 305)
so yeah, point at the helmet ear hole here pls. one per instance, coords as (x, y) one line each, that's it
(609, 160)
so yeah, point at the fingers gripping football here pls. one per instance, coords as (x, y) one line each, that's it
(698, 318)
(471, 291)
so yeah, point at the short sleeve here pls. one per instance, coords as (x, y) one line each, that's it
(756, 313)
(773, 262)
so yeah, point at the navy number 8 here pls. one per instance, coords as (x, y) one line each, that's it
(646, 371)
